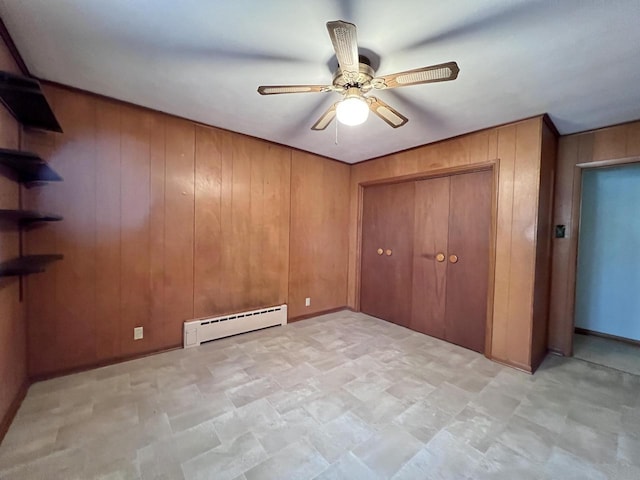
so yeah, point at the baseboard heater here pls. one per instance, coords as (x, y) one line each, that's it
(207, 329)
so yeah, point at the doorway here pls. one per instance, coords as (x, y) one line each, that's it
(607, 304)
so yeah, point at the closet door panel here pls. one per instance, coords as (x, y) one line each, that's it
(387, 224)
(430, 269)
(467, 276)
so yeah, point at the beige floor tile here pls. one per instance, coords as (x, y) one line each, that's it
(563, 465)
(298, 461)
(443, 458)
(340, 435)
(387, 451)
(584, 441)
(226, 461)
(348, 467)
(331, 405)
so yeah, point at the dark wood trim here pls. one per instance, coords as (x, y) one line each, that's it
(317, 314)
(593, 333)
(549, 123)
(613, 162)
(103, 363)
(556, 352)
(13, 50)
(13, 409)
(512, 364)
(491, 284)
(435, 173)
(195, 122)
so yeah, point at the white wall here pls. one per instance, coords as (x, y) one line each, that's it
(608, 280)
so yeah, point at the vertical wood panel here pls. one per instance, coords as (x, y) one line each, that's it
(179, 225)
(240, 267)
(543, 247)
(319, 227)
(74, 304)
(107, 214)
(523, 242)
(563, 198)
(277, 221)
(134, 228)
(159, 331)
(42, 240)
(208, 222)
(258, 266)
(633, 140)
(506, 152)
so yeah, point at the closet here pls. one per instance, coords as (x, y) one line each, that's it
(425, 255)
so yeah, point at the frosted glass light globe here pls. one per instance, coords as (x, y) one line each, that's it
(352, 111)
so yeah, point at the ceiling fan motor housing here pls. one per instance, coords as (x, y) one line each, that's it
(352, 79)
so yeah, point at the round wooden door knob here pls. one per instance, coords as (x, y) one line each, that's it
(380, 251)
(453, 258)
(388, 252)
(440, 257)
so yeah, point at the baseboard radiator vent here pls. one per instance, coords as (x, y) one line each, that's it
(207, 329)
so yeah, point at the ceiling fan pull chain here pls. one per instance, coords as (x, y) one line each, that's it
(337, 132)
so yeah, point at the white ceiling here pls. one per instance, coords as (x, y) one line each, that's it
(578, 60)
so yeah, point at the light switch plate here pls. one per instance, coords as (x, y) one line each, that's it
(307, 302)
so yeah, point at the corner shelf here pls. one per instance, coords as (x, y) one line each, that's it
(26, 265)
(24, 98)
(29, 167)
(25, 217)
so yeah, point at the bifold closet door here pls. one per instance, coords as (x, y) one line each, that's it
(430, 256)
(387, 252)
(468, 259)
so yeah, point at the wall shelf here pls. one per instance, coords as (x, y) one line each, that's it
(26, 265)
(25, 217)
(29, 167)
(24, 98)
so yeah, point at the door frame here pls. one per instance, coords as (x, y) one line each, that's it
(574, 235)
(492, 165)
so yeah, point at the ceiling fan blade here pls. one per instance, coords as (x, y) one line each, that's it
(278, 89)
(345, 43)
(386, 113)
(435, 73)
(325, 119)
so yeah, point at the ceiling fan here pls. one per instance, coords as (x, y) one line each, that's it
(355, 77)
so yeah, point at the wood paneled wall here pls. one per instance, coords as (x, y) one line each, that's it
(166, 220)
(13, 356)
(544, 242)
(320, 265)
(517, 147)
(615, 144)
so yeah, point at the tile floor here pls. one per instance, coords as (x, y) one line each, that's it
(339, 396)
(607, 352)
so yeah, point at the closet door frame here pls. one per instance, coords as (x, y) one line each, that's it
(492, 165)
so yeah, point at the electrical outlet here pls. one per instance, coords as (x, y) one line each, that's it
(307, 302)
(138, 333)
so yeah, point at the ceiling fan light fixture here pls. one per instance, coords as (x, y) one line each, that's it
(353, 110)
